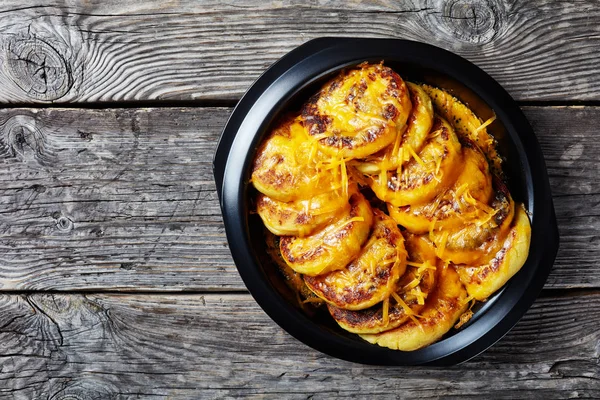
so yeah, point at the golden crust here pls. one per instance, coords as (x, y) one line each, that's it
(477, 240)
(372, 320)
(359, 112)
(433, 170)
(451, 208)
(443, 309)
(412, 139)
(482, 281)
(301, 217)
(285, 167)
(334, 246)
(372, 275)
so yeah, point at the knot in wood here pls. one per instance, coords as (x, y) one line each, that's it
(38, 68)
(64, 224)
(87, 389)
(470, 21)
(21, 138)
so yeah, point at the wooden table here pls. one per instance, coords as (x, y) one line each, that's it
(115, 276)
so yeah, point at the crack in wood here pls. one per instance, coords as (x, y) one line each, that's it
(41, 311)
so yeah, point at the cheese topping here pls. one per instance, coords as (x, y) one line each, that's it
(427, 158)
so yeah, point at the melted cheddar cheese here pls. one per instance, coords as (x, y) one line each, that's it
(285, 167)
(441, 312)
(359, 112)
(334, 246)
(372, 276)
(366, 141)
(466, 200)
(405, 302)
(483, 280)
(409, 141)
(427, 174)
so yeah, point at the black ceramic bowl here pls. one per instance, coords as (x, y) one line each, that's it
(287, 84)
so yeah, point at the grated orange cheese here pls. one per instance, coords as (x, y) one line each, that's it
(396, 146)
(402, 304)
(411, 314)
(399, 168)
(383, 178)
(419, 295)
(485, 124)
(432, 225)
(411, 285)
(438, 164)
(312, 300)
(415, 155)
(351, 220)
(425, 265)
(476, 203)
(443, 244)
(344, 172)
(386, 309)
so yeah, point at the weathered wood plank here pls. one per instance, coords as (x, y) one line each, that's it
(571, 146)
(215, 346)
(111, 196)
(124, 199)
(63, 51)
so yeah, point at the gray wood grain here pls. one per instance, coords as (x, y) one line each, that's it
(121, 198)
(125, 199)
(63, 51)
(224, 346)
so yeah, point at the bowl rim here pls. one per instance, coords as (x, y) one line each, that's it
(265, 100)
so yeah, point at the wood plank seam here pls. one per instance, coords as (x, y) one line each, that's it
(97, 52)
(165, 345)
(115, 198)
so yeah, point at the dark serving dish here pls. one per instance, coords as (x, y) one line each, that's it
(289, 82)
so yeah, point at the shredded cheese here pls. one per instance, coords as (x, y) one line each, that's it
(344, 172)
(415, 155)
(313, 150)
(396, 145)
(476, 203)
(425, 265)
(308, 205)
(438, 164)
(432, 226)
(351, 220)
(386, 309)
(400, 162)
(383, 179)
(434, 134)
(485, 124)
(411, 285)
(411, 314)
(468, 299)
(420, 296)
(443, 243)
(402, 304)
(312, 300)
(316, 138)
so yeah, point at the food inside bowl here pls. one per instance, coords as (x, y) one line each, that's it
(384, 204)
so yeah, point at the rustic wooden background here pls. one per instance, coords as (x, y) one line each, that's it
(115, 276)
